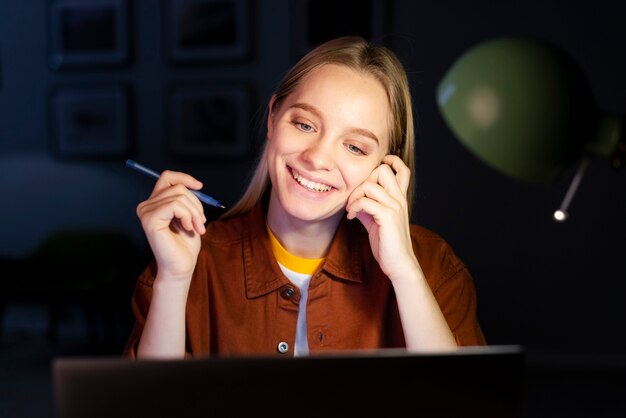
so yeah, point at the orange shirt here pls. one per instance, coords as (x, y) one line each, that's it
(240, 302)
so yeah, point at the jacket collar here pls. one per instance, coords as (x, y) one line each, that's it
(263, 275)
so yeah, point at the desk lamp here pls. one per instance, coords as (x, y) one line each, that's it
(524, 108)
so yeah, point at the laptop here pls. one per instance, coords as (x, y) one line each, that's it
(470, 382)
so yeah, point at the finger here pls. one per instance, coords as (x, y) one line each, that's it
(188, 218)
(165, 209)
(156, 213)
(373, 191)
(366, 205)
(183, 191)
(403, 173)
(189, 201)
(387, 178)
(178, 190)
(170, 178)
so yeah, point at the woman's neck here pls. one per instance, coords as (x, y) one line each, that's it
(307, 239)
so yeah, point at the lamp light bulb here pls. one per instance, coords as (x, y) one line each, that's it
(560, 215)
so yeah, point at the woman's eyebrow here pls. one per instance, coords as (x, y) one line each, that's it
(308, 108)
(311, 109)
(366, 133)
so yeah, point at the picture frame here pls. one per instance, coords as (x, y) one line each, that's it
(88, 33)
(90, 122)
(316, 21)
(208, 31)
(210, 121)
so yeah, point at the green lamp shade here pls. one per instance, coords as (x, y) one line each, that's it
(521, 106)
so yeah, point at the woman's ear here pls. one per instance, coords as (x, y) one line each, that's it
(270, 115)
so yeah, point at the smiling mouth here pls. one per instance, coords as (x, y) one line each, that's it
(310, 185)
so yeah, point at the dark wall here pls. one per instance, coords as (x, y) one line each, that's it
(51, 189)
(551, 287)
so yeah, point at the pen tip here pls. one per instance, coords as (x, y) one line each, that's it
(222, 206)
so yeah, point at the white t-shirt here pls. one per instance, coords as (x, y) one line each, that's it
(299, 271)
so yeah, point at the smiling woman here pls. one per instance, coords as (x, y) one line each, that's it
(325, 137)
(319, 253)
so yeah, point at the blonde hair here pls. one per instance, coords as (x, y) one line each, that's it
(359, 55)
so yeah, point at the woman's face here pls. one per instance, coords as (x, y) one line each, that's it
(325, 139)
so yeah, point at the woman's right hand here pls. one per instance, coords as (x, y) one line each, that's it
(173, 220)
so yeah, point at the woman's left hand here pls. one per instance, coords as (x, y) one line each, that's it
(380, 203)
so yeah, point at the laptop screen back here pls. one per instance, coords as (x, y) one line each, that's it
(472, 382)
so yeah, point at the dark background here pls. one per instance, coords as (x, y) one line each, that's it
(557, 289)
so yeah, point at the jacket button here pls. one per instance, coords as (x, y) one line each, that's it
(282, 347)
(289, 292)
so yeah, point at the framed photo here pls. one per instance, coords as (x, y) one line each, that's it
(88, 33)
(210, 121)
(90, 122)
(208, 30)
(317, 21)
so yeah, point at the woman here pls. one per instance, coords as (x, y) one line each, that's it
(319, 253)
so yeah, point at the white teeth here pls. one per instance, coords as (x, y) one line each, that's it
(311, 185)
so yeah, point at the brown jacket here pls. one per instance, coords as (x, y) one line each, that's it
(241, 303)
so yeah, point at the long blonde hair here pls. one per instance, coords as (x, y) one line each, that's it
(359, 55)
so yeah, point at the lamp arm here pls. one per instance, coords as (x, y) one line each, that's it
(610, 141)
(561, 214)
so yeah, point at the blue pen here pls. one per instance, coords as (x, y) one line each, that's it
(203, 197)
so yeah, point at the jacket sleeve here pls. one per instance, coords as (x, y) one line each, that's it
(456, 296)
(451, 283)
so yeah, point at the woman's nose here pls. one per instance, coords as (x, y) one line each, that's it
(320, 154)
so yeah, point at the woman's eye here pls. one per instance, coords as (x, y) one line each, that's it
(303, 126)
(354, 149)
